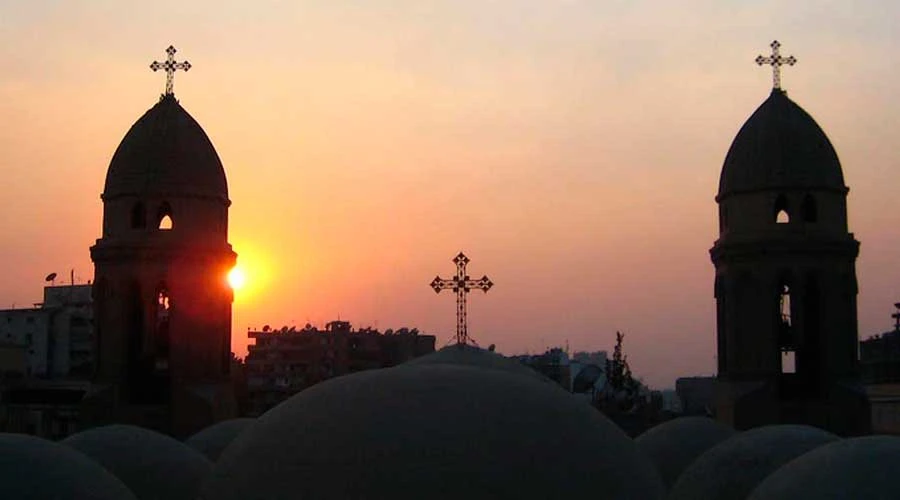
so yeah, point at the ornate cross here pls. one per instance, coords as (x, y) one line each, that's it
(776, 60)
(169, 65)
(461, 285)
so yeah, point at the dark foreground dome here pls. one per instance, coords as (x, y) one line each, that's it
(850, 469)
(166, 153)
(467, 355)
(33, 468)
(151, 464)
(435, 432)
(731, 469)
(215, 438)
(673, 445)
(780, 147)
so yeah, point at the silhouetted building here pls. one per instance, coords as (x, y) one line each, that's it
(45, 362)
(553, 364)
(696, 395)
(785, 282)
(162, 304)
(286, 361)
(879, 355)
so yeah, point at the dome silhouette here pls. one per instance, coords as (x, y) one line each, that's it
(212, 440)
(34, 468)
(468, 355)
(151, 464)
(780, 146)
(432, 431)
(166, 153)
(852, 469)
(731, 469)
(673, 445)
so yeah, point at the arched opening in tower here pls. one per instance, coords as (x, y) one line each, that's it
(782, 210)
(164, 218)
(787, 344)
(138, 216)
(810, 214)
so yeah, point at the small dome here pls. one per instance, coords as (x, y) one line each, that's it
(151, 464)
(467, 355)
(731, 469)
(33, 468)
(432, 431)
(780, 146)
(166, 153)
(215, 438)
(850, 469)
(673, 445)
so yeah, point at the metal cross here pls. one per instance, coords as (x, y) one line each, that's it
(169, 65)
(461, 285)
(776, 60)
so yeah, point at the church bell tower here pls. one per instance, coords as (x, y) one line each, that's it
(785, 283)
(162, 303)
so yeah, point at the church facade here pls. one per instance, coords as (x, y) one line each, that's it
(162, 305)
(785, 282)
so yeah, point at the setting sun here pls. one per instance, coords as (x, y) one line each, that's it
(236, 278)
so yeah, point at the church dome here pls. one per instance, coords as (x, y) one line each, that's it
(166, 153)
(432, 431)
(215, 438)
(673, 445)
(151, 464)
(34, 468)
(864, 467)
(780, 147)
(731, 469)
(468, 355)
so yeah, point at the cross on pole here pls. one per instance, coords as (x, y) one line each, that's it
(461, 284)
(169, 65)
(776, 60)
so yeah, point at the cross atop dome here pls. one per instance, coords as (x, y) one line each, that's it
(170, 65)
(776, 60)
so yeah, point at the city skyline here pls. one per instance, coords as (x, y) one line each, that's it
(572, 150)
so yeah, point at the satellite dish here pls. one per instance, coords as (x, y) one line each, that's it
(50, 277)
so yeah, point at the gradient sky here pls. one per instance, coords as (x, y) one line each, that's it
(571, 148)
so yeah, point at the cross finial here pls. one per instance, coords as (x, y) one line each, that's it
(169, 65)
(461, 285)
(776, 60)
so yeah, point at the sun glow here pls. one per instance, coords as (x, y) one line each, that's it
(236, 278)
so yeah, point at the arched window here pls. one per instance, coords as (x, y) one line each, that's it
(164, 216)
(138, 216)
(787, 343)
(782, 210)
(810, 214)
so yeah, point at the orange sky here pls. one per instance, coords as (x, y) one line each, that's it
(571, 148)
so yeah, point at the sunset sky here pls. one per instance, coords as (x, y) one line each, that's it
(571, 148)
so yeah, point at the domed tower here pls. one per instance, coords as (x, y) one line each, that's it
(162, 304)
(785, 282)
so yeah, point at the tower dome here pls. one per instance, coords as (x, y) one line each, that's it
(166, 153)
(780, 147)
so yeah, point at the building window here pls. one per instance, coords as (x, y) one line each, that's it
(782, 210)
(138, 216)
(164, 216)
(810, 214)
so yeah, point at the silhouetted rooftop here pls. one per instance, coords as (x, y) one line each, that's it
(165, 153)
(780, 146)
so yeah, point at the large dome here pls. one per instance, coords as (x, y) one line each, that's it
(673, 445)
(33, 468)
(151, 464)
(432, 431)
(166, 153)
(731, 469)
(780, 147)
(851, 469)
(467, 355)
(212, 440)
